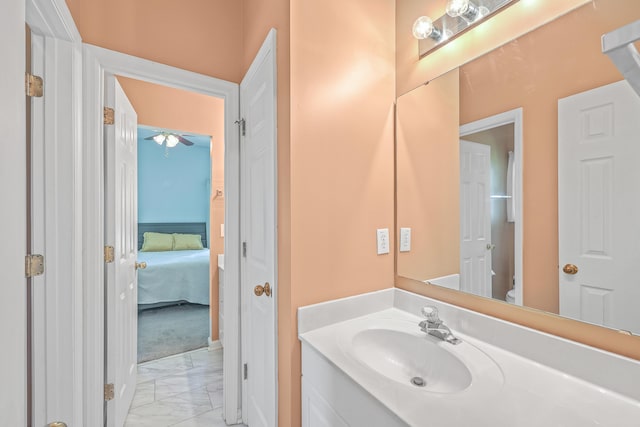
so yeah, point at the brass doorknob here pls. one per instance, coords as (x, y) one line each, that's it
(57, 424)
(259, 290)
(570, 269)
(141, 265)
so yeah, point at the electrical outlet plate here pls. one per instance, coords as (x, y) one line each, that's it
(383, 240)
(405, 239)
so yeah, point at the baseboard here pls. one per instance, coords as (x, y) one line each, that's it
(214, 345)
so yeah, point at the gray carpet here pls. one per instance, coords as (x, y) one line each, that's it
(172, 330)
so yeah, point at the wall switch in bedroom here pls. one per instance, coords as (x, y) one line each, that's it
(221, 230)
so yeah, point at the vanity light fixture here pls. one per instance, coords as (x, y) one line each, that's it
(460, 16)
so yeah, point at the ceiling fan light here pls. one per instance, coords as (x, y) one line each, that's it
(172, 141)
(159, 139)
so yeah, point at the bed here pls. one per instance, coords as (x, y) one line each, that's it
(173, 277)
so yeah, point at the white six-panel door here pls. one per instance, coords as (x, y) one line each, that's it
(121, 233)
(258, 231)
(475, 218)
(599, 206)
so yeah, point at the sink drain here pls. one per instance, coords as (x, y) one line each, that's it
(418, 381)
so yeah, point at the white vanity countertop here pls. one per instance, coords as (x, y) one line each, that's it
(531, 394)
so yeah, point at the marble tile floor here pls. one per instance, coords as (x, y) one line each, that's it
(184, 390)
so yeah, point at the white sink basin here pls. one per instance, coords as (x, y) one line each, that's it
(417, 361)
(395, 351)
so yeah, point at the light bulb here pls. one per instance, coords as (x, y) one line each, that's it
(159, 139)
(466, 9)
(172, 141)
(423, 27)
(457, 7)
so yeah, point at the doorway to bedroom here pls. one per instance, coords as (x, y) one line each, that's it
(180, 239)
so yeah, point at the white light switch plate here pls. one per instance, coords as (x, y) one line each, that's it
(221, 230)
(405, 239)
(383, 240)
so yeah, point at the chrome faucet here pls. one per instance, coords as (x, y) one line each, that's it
(434, 326)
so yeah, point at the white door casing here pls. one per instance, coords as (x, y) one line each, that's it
(475, 218)
(13, 221)
(96, 63)
(258, 220)
(121, 232)
(599, 206)
(56, 233)
(515, 117)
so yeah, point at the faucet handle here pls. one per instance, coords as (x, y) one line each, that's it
(431, 313)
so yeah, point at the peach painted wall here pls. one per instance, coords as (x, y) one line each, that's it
(342, 151)
(204, 36)
(534, 76)
(181, 110)
(258, 17)
(428, 178)
(516, 20)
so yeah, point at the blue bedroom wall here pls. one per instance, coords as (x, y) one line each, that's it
(173, 188)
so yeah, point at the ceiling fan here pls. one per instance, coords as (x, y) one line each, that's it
(169, 139)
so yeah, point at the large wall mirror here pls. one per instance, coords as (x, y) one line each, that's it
(518, 176)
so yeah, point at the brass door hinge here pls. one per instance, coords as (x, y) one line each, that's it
(33, 265)
(109, 391)
(33, 85)
(243, 126)
(109, 116)
(109, 254)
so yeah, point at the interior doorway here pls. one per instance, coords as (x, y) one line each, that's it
(176, 254)
(501, 135)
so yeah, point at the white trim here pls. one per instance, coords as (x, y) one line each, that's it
(214, 345)
(57, 214)
(51, 18)
(97, 62)
(516, 117)
(56, 230)
(13, 171)
(268, 48)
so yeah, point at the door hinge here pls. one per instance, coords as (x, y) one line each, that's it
(109, 254)
(243, 126)
(246, 370)
(33, 85)
(244, 249)
(109, 116)
(33, 265)
(109, 391)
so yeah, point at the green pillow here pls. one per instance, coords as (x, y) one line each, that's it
(156, 242)
(183, 242)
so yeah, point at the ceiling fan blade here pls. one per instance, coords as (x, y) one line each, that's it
(151, 137)
(184, 141)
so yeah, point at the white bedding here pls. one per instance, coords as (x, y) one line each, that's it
(174, 276)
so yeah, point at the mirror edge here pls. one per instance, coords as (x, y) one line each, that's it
(611, 340)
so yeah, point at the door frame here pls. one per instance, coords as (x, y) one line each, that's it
(56, 214)
(514, 116)
(96, 63)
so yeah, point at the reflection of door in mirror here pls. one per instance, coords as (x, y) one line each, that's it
(598, 176)
(475, 218)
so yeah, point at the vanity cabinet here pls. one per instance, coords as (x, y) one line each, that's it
(332, 399)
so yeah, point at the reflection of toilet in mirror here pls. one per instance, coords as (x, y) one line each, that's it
(511, 293)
